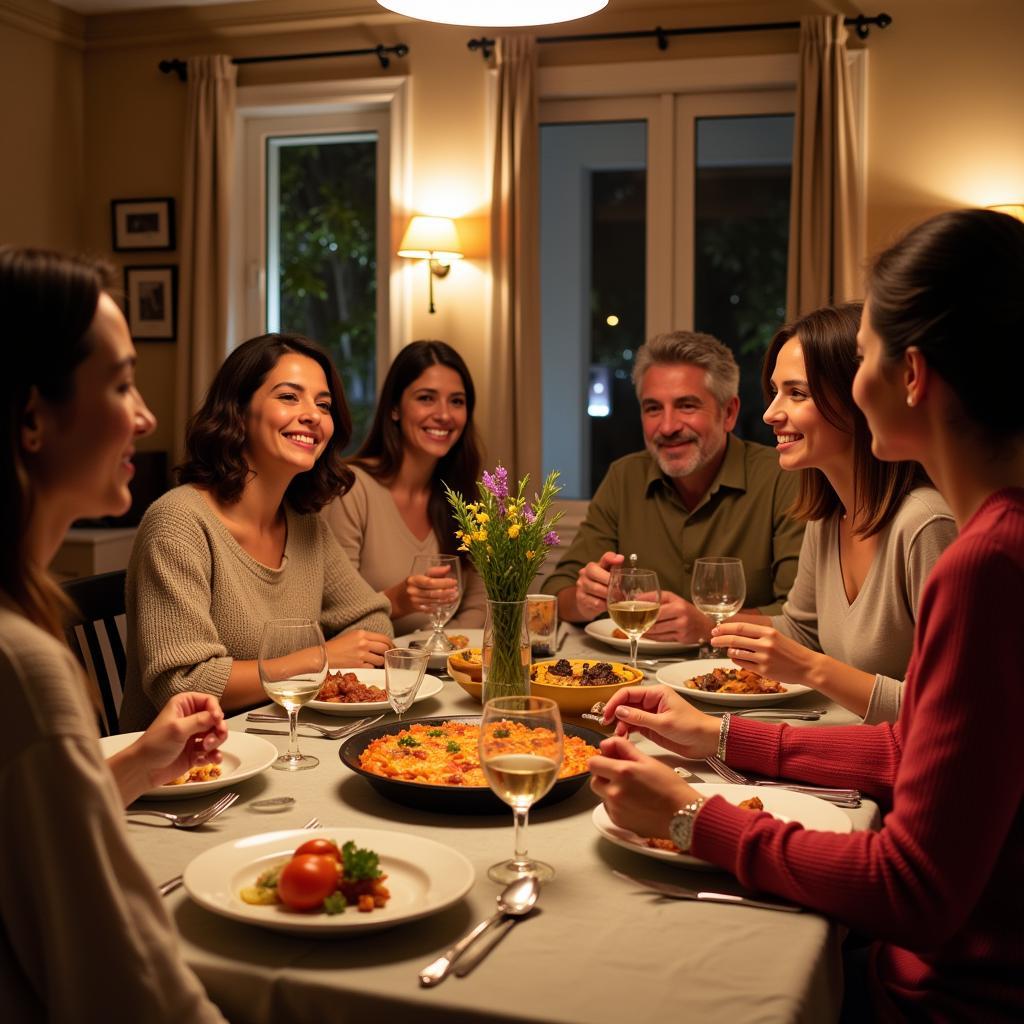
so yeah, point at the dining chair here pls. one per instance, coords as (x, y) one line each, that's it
(95, 633)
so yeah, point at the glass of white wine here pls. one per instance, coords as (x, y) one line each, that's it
(520, 779)
(634, 600)
(293, 667)
(718, 589)
(403, 673)
(440, 567)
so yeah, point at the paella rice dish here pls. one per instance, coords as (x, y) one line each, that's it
(576, 672)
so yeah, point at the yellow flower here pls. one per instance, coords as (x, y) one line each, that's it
(529, 555)
(513, 530)
(480, 535)
(462, 547)
(482, 517)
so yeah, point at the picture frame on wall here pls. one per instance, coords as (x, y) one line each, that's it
(142, 224)
(151, 302)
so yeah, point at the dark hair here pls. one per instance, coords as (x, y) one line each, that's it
(215, 436)
(953, 287)
(381, 453)
(48, 302)
(828, 340)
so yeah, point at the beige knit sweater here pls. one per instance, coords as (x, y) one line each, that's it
(196, 600)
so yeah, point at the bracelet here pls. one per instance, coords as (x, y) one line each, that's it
(723, 736)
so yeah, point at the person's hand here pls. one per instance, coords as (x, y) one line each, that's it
(424, 593)
(638, 792)
(764, 650)
(679, 621)
(186, 732)
(358, 648)
(662, 715)
(592, 585)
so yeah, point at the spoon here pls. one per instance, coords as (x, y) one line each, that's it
(516, 899)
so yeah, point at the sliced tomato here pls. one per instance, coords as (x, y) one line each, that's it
(307, 880)
(320, 848)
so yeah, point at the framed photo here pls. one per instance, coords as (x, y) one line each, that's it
(142, 224)
(151, 299)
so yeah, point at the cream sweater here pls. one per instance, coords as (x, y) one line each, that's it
(85, 936)
(196, 600)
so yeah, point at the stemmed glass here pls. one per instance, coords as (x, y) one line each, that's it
(293, 666)
(634, 600)
(517, 778)
(718, 589)
(403, 673)
(442, 567)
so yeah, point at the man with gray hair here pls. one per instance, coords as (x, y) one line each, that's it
(696, 490)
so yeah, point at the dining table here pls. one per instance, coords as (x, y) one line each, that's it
(597, 947)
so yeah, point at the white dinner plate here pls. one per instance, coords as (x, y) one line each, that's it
(243, 757)
(439, 662)
(602, 629)
(371, 677)
(423, 876)
(676, 676)
(783, 804)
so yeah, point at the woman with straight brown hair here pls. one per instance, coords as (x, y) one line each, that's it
(874, 531)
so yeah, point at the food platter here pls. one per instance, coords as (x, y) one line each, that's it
(430, 687)
(677, 675)
(424, 877)
(452, 799)
(438, 662)
(603, 630)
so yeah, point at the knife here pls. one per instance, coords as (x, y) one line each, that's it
(677, 892)
(469, 961)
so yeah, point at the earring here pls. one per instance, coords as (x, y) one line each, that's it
(910, 401)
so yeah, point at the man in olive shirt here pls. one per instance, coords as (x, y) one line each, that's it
(697, 490)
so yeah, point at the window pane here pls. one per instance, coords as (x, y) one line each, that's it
(321, 253)
(593, 288)
(741, 232)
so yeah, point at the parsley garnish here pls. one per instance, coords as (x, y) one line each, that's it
(436, 732)
(335, 904)
(453, 747)
(408, 741)
(359, 864)
(501, 734)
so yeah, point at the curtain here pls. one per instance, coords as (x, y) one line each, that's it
(825, 247)
(515, 327)
(209, 164)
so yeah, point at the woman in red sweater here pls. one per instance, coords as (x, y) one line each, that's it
(938, 888)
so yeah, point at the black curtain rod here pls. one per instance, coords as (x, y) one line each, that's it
(862, 23)
(180, 68)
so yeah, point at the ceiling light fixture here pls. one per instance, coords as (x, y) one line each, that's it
(493, 13)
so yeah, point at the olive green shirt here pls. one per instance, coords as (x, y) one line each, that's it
(744, 514)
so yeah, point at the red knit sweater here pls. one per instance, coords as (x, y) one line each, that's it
(941, 886)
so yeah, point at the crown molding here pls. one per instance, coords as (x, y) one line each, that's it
(41, 18)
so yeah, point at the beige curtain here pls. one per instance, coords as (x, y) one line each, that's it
(209, 159)
(515, 329)
(825, 249)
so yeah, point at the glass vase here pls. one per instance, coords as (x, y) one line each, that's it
(506, 651)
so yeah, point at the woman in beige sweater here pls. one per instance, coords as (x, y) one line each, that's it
(421, 438)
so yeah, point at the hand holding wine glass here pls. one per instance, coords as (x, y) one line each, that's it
(293, 666)
(520, 779)
(634, 600)
(441, 576)
(403, 673)
(718, 589)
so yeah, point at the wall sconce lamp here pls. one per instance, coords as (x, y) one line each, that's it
(1013, 209)
(433, 239)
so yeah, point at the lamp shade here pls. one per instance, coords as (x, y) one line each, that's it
(1013, 209)
(431, 238)
(494, 12)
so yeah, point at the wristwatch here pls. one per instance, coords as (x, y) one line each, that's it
(680, 828)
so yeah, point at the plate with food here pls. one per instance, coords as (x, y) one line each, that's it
(328, 881)
(360, 691)
(721, 681)
(460, 639)
(608, 633)
(783, 804)
(242, 757)
(434, 763)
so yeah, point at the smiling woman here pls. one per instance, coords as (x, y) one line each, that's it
(239, 543)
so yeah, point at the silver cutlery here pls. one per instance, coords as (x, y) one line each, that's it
(677, 892)
(322, 732)
(190, 820)
(166, 888)
(474, 958)
(804, 715)
(841, 797)
(516, 899)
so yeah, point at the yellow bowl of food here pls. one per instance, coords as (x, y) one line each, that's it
(466, 668)
(576, 684)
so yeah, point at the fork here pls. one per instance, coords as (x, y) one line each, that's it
(803, 715)
(192, 820)
(839, 796)
(325, 733)
(166, 888)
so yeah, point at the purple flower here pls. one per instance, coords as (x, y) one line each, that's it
(551, 538)
(528, 514)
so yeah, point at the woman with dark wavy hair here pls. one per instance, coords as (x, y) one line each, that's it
(422, 437)
(239, 541)
(72, 415)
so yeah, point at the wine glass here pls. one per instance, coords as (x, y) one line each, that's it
(718, 589)
(520, 779)
(293, 667)
(634, 600)
(403, 673)
(442, 567)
